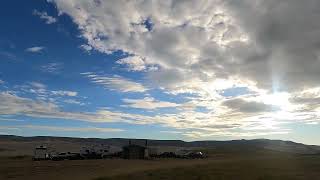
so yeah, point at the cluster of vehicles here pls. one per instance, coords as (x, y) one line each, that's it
(100, 152)
(180, 153)
(94, 152)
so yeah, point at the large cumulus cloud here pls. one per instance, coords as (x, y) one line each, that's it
(186, 36)
(272, 43)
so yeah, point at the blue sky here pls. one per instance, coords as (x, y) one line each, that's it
(170, 70)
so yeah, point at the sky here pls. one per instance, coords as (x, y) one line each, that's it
(166, 69)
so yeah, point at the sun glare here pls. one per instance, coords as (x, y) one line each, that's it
(277, 99)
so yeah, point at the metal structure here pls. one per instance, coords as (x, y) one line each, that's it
(133, 151)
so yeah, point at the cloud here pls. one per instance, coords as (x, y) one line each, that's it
(1, 81)
(8, 55)
(38, 85)
(183, 35)
(36, 49)
(148, 103)
(205, 47)
(268, 43)
(41, 92)
(52, 67)
(241, 105)
(117, 83)
(10, 119)
(134, 63)
(86, 47)
(307, 100)
(204, 134)
(171, 132)
(282, 52)
(72, 101)
(71, 129)
(65, 93)
(11, 104)
(191, 123)
(44, 15)
(36, 88)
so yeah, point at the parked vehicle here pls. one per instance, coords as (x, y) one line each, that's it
(60, 156)
(194, 155)
(111, 151)
(167, 155)
(74, 156)
(91, 153)
(182, 153)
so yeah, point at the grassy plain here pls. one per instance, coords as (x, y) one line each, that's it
(237, 168)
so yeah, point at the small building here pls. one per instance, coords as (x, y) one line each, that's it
(133, 151)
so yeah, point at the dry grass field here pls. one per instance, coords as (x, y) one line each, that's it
(244, 168)
(221, 165)
(21, 168)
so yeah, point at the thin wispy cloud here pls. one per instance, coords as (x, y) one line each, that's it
(44, 15)
(73, 101)
(10, 119)
(86, 47)
(116, 83)
(54, 67)
(63, 129)
(8, 55)
(72, 129)
(148, 103)
(41, 91)
(134, 63)
(35, 49)
(65, 93)
(38, 85)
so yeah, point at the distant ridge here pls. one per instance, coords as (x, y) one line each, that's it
(244, 145)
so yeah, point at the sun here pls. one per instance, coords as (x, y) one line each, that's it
(280, 99)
